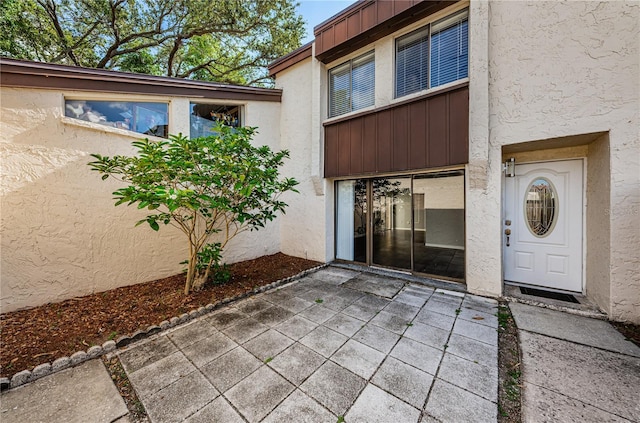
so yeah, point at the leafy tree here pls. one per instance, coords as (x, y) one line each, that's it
(211, 188)
(220, 40)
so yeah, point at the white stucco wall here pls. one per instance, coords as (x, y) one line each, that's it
(304, 229)
(538, 70)
(61, 234)
(568, 68)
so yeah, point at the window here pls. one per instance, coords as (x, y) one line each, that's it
(433, 56)
(204, 117)
(145, 118)
(351, 85)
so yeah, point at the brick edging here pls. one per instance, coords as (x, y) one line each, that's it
(61, 363)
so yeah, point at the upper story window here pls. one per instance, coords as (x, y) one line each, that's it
(351, 85)
(434, 55)
(142, 117)
(205, 117)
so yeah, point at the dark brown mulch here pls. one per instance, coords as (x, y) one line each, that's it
(629, 330)
(509, 371)
(42, 334)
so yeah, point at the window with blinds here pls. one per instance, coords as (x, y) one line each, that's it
(352, 85)
(434, 55)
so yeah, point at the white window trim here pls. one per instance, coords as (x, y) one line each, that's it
(66, 120)
(440, 19)
(350, 61)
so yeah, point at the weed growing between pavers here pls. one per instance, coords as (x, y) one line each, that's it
(509, 372)
(137, 413)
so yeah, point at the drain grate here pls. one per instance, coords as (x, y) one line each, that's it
(548, 294)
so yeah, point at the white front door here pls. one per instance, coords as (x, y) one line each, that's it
(542, 236)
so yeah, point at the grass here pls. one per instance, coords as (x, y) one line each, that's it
(512, 385)
(503, 316)
(319, 300)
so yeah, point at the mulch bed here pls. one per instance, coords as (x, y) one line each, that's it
(42, 334)
(629, 330)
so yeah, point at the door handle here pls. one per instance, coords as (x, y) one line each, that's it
(507, 232)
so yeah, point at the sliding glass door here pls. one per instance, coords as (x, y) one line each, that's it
(351, 220)
(438, 214)
(415, 223)
(391, 222)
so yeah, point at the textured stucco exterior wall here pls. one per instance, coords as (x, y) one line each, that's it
(566, 68)
(304, 229)
(598, 227)
(61, 234)
(483, 199)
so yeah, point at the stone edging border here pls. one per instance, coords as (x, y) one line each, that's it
(96, 351)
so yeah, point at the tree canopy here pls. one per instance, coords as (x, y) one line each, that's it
(228, 41)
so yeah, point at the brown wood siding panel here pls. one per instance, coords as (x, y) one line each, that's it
(383, 140)
(368, 15)
(418, 135)
(369, 147)
(385, 10)
(427, 132)
(401, 5)
(340, 32)
(356, 146)
(400, 138)
(344, 147)
(458, 127)
(327, 38)
(353, 25)
(367, 21)
(331, 151)
(438, 142)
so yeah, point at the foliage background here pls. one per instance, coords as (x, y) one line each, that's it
(228, 41)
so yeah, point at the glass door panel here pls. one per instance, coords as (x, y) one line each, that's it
(391, 208)
(351, 220)
(438, 214)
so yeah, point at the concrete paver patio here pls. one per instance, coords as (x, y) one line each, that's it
(336, 343)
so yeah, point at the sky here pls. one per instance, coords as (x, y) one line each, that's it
(317, 11)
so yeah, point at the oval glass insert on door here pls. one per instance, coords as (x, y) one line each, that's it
(541, 205)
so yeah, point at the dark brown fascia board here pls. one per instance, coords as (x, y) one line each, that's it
(399, 103)
(26, 74)
(382, 29)
(296, 56)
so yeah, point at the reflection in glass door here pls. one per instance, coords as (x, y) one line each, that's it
(438, 242)
(351, 220)
(391, 208)
(412, 223)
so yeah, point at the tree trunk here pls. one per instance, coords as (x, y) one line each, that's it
(191, 272)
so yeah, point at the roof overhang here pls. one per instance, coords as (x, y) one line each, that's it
(26, 74)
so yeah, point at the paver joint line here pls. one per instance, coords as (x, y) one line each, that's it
(333, 356)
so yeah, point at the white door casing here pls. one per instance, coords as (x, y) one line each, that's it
(549, 254)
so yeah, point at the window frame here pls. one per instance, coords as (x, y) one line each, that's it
(212, 104)
(453, 18)
(68, 111)
(350, 64)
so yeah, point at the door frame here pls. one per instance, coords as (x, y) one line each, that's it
(441, 172)
(503, 196)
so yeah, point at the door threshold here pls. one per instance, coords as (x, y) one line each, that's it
(410, 277)
(388, 269)
(583, 307)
